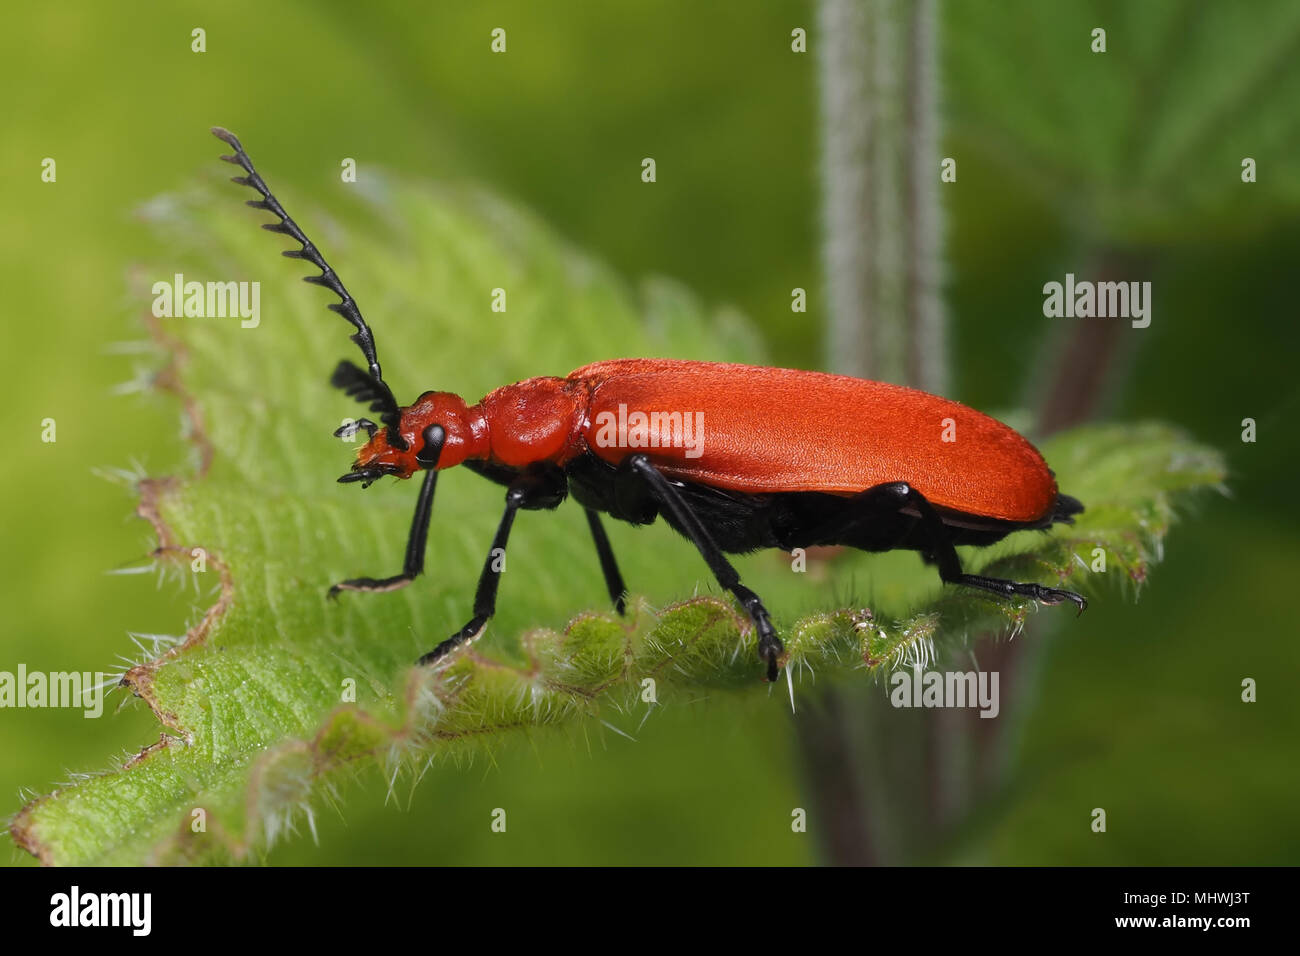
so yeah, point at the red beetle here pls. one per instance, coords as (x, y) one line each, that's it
(734, 457)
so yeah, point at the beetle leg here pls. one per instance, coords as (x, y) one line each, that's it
(945, 555)
(608, 566)
(770, 647)
(530, 491)
(414, 562)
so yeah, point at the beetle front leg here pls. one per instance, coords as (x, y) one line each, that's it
(433, 438)
(415, 544)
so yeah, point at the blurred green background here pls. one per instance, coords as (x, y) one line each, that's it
(1063, 157)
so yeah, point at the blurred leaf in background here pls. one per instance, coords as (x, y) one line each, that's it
(275, 690)
(1137, 708)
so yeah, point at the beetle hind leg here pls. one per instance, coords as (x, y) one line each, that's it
(942, 553)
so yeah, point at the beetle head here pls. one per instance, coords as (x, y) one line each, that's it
(438, 431)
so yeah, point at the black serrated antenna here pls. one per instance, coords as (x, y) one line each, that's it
(358, 383)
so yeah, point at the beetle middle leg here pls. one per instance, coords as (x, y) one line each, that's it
(505, 475)
(530, 491)
(608, 565)
(770, 647)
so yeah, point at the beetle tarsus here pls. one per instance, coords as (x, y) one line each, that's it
(770, 650)
(371, 585)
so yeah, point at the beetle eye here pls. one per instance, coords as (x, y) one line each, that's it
(434, 436)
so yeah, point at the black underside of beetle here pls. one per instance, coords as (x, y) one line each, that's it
(886, 517)
(740, 522)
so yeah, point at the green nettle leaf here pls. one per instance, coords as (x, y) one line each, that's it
(275, 689)
(1146, 139)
